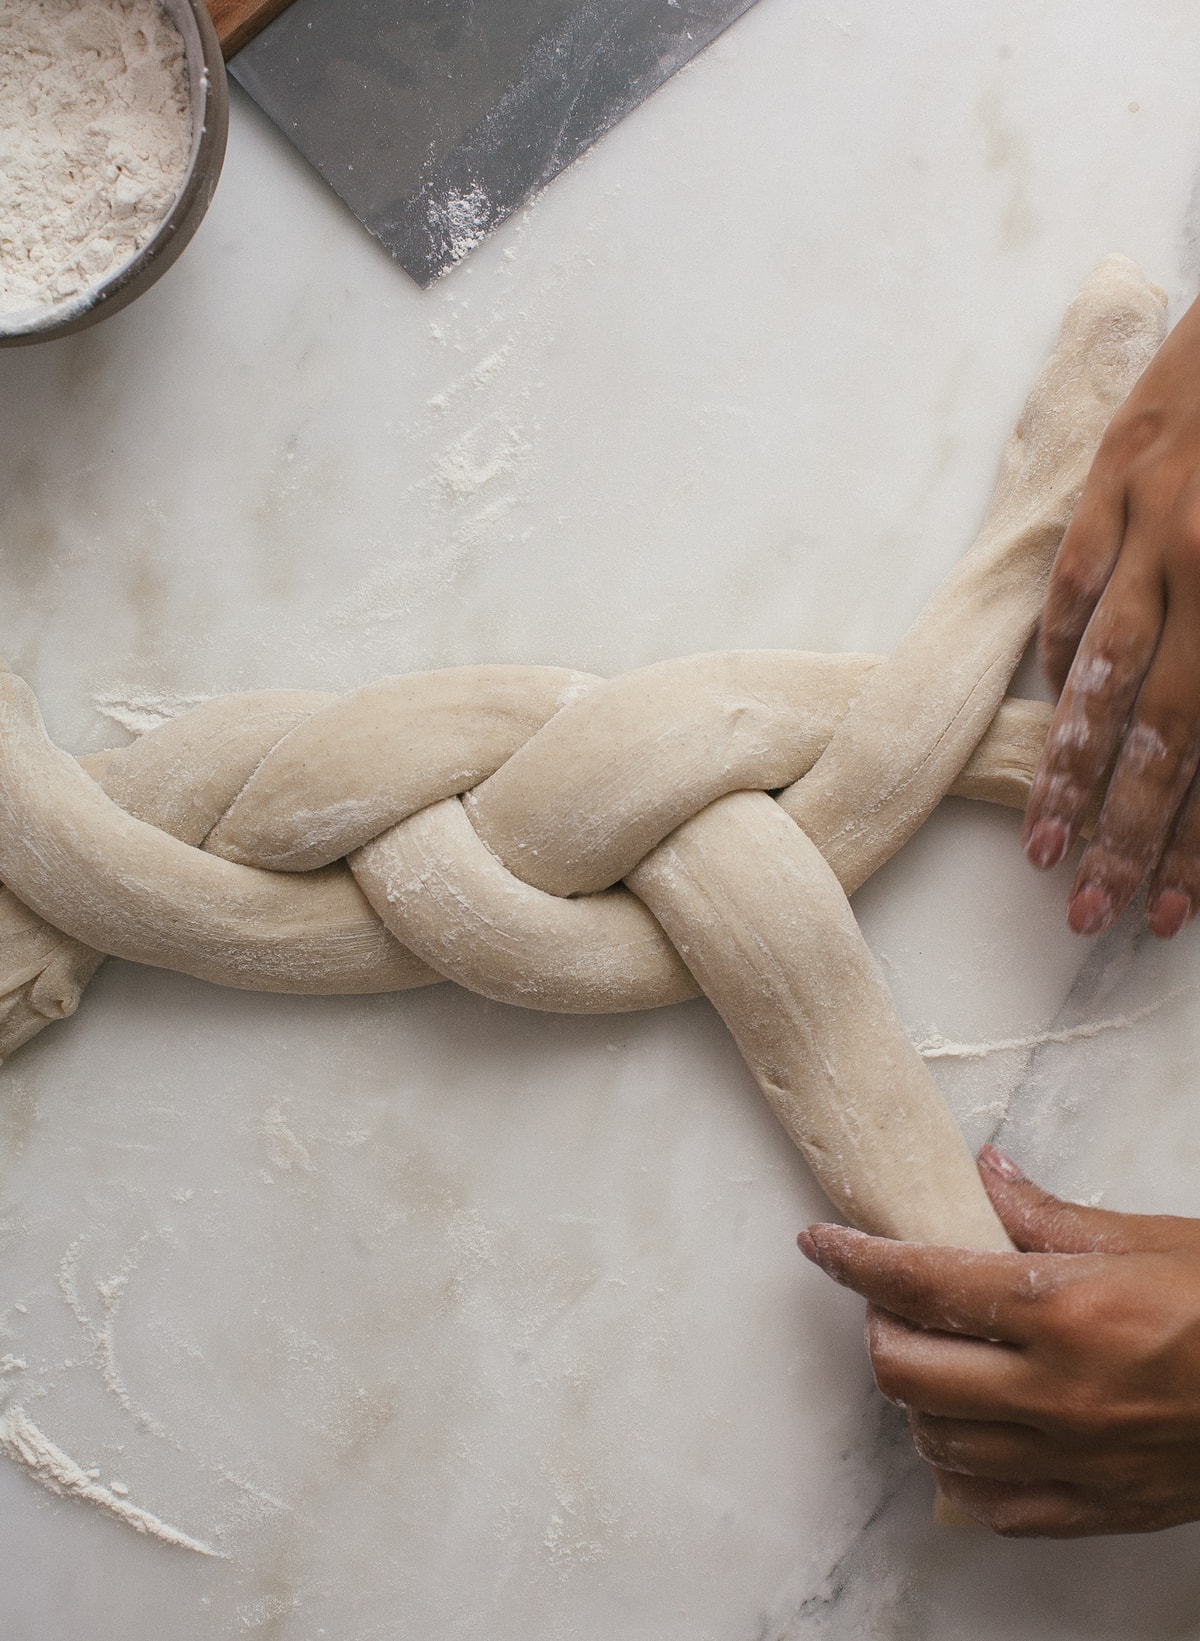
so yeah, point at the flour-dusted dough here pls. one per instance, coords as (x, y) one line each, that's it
(918, 717)
(555, 840)
(485, 928)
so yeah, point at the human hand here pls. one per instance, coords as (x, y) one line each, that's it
(1120, 640)
(1054, 1391)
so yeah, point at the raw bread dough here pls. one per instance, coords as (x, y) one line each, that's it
(555, 840)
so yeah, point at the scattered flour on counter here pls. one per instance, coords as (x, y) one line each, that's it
(936, 1047)
(284, 1151)
(493, 450)
(140, 710)
(95, 139)
(24, 1443)
(100, 1333)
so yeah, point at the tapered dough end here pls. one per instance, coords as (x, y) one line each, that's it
(42, 974)
(1117, 303)
(1117, 269)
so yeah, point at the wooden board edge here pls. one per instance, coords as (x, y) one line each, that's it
(238, 21)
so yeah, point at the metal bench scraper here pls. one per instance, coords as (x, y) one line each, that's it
(436, 119)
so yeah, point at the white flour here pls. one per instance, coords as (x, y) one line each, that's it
(462, 221)
(24, 1443)
(95, 137)
(140, 710)
(936, 1047)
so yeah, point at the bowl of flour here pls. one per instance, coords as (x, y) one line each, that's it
(113, 117)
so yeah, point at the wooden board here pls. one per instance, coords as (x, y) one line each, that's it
(240, 20)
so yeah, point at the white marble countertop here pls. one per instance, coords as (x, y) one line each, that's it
(434, 1318)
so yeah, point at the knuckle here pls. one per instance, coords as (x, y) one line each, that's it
(1130, 433)
(1182, 551)
(1087, 722)
(1068, 1315)
(1096, 675)
(1085, 1415)
(1068, 743)
(1155, 750)
(1107, 677)
(891, 1377)
(1075, 584)
(928, 1447)
(1066, 778)
(933, 1445)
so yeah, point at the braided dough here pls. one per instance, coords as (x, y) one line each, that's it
(554, 840)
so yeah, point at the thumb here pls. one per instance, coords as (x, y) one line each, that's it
(1041, 1223)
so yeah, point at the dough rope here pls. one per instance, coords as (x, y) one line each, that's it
(563, 842)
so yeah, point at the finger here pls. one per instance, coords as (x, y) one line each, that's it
(1110, 664)
(1131, 1475)
(993, 1449)
(946, 1374)
(1039, 1222)
(954, 1290)
(1014, 1510)
(1154, 769)
(949, 1375)
(1081, 570)
(1175, 887)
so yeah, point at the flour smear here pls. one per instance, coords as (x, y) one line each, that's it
(25, 1444)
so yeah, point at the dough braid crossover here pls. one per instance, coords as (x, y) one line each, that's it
(559, 841)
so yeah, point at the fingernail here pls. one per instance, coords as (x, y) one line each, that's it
(999, 1162)
(1047, 843)
(1090, 910)
(1168, 912)
(811, 1244)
